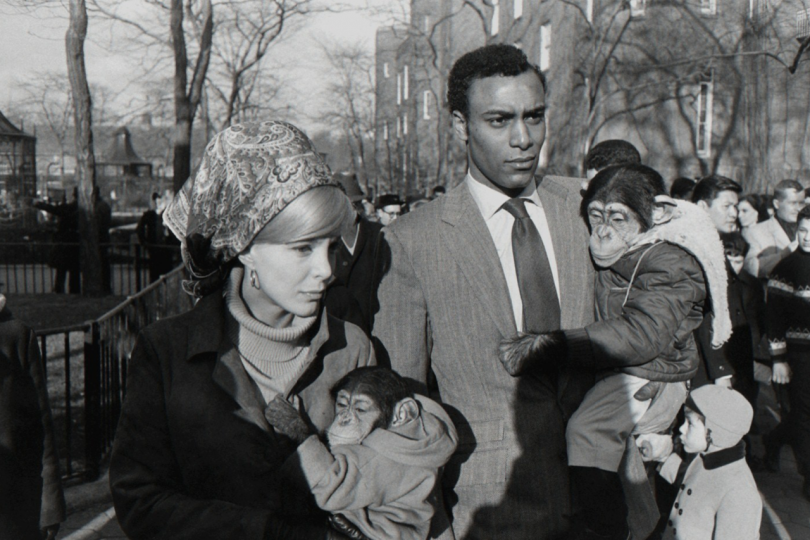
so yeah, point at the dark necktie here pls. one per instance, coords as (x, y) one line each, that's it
(541, 307)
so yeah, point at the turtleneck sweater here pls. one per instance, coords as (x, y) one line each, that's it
(273, 357)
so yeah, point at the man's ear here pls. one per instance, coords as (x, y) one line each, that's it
(663, 209)
(460, 125)
(405, 410)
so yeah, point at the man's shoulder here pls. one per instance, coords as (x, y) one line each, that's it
(420, 220)
(763, 229)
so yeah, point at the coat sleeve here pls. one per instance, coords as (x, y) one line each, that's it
(147, 488)
(662, 296)
(53, 497)
(778, 308)
(401, 326)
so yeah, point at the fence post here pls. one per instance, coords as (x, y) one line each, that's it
(138, 263)
(92, 401)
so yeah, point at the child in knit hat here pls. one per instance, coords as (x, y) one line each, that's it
(717, 497)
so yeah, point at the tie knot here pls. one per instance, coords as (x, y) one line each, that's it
(516, 207)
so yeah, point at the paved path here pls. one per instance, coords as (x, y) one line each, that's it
(785, 516)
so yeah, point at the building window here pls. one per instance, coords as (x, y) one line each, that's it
(399, 89)
(385, 70)
(705, 100)
(638, 8)
(758, 9)
(426, 105)
(589, 11)
(545, 47)
(708, 7)
(426, 24)
(399, 128)
(517, 10)
(495, 26)
(385, 130)
(405, 83)
(803, 23)
(405, 124)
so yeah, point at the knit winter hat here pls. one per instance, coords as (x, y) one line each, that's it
(728, 414)
(250, 172)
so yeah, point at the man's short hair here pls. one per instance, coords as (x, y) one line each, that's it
(611, 152)
(708, 188)
(804, 213)
(780, 192)
(682, 188)
(488, 61)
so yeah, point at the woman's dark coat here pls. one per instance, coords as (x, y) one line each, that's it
(193, 456)
(30, 485)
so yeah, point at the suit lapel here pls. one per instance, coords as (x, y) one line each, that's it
(559, 225)
(470, 243)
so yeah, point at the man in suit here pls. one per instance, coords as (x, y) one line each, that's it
(457, 281)
(774, 239)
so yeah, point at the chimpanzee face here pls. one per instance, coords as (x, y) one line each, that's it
(614, 228)
(356, 415)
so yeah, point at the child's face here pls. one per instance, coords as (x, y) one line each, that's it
(803, 235)
(736, 260)
(693, 433)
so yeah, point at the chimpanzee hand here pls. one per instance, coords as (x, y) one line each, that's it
(286, 420)
(346, 527)
(537, 351)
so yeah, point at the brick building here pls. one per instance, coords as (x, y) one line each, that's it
(700, 86)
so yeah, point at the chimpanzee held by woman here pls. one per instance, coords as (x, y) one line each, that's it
(657, 260)
(194, 456)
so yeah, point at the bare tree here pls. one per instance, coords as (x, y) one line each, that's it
(351, 101)
(85, 158)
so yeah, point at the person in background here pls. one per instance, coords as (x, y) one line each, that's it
(153, 238)
(751, 209)
(389, 208)
(194, 456)
(682, 188)
(774, 239)
(438, 191)
(718, 497)
(103, 214)
(65, 251)
(789, 320)
(32, 503)
(610, 152)
(717, 196)
(352, 295)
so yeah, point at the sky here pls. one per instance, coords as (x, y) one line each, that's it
(34, 42)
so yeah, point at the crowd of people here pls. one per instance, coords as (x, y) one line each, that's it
(519, 357)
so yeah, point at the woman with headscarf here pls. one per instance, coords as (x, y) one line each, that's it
(194, 456)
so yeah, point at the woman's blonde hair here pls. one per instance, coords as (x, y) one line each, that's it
(317, 213)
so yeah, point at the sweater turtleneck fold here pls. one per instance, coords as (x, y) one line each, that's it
(272, 357)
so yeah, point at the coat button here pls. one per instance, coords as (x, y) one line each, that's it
(677, 505)
(683, 486)
(680, 512)
(670, 523)
(689, 492)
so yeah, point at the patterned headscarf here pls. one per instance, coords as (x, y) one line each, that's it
(249, 173)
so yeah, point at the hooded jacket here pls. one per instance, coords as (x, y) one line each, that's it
(650, 301)
(383, 485)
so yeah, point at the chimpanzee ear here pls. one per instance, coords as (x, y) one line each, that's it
(663, 209)
(405, 410)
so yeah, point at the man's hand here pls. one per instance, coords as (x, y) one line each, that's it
(523, 351)
(781, 373)
(654, 447)
(723, 381)
(286, 420)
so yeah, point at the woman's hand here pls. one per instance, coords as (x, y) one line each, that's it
(781, 373)
(286, 420)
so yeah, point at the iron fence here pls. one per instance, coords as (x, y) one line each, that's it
(28, 267)
(94, 358)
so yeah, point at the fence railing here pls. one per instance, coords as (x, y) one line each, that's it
(94, 358)
(29, 268)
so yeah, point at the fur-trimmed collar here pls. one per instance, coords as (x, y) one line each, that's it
(691, 228)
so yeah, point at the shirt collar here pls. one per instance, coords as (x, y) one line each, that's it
(490, 200)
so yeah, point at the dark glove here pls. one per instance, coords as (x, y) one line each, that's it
(286, 420)
(536, 351)
(346, 527)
